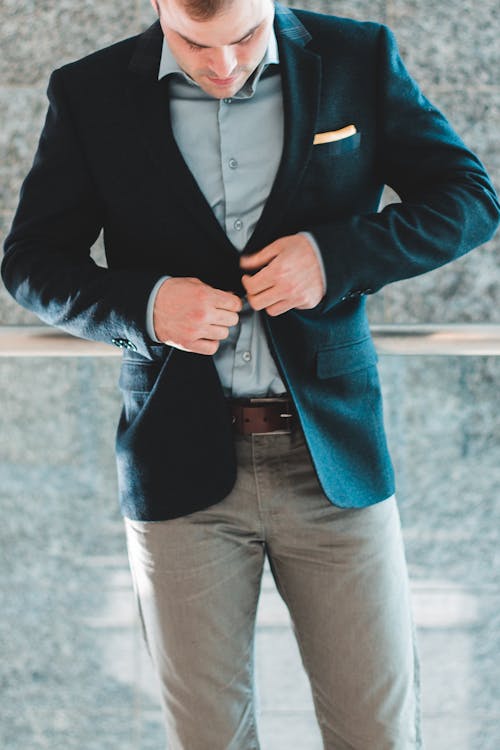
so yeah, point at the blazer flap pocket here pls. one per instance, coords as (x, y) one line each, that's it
(345, 358)
(138, 376)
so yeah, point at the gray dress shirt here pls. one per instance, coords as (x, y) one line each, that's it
(233, 148)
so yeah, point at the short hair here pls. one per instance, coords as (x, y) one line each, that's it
(203, 10)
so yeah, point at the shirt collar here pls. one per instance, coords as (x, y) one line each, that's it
(169, 65)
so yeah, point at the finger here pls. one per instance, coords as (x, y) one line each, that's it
(265, 299)
(227, 301)
(216, 333)
(259, 259)
(259, 282)
(224, 318)
(205, 346)
(205, 331)
(279, 308)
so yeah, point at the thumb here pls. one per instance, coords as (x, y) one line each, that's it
(259, 259)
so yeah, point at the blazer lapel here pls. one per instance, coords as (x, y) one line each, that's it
(301, 81)
(150, 100)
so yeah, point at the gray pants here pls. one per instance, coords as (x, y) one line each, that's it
(342, 574)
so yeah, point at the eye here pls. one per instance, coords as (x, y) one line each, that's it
(194, 47)
(247, 38)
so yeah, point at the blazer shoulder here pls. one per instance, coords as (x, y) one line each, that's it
(327, 30)
(107, 61)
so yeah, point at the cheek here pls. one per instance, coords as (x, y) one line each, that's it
(251, 56)
(195, 63)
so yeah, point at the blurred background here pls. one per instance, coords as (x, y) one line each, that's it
(73, 671)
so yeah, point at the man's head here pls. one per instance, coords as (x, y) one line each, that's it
(218, 43)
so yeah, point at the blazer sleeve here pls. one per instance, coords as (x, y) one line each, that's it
(448, 203)
(47, 265)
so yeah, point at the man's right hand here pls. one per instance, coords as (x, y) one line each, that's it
(193, 316)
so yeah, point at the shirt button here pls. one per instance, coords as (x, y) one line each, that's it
(233, 163)
(246, 356)
(227, 101)
(238, 225)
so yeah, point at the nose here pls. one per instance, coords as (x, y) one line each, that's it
(223, 62)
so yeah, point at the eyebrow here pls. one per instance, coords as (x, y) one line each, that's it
(237, 41)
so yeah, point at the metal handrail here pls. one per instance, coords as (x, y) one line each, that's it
(444, 340)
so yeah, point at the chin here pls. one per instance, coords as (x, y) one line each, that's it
(224, 91)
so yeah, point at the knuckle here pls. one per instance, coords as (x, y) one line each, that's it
(198, 315)
(202, 292)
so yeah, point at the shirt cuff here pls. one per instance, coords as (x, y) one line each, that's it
(150, 309)
(316, 249)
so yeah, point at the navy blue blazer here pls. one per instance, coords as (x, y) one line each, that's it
(107, 159)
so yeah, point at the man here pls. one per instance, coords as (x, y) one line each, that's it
(234, 155)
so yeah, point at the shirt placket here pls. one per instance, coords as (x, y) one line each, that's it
(234, 223)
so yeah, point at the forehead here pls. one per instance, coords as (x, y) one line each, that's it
(232, 23)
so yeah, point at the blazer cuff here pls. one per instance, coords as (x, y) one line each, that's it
(150, 309)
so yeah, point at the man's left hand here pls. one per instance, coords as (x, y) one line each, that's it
(288, 276)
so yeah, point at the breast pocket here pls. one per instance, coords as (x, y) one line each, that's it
(337, 148)
(334, 178)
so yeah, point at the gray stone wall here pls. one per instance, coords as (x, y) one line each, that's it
(73, 673)
(451, 49)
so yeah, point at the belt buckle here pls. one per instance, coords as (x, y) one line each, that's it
(276, 400)
(272, 400)
(264, 401)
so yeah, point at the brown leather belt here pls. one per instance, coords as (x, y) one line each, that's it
(262, 415)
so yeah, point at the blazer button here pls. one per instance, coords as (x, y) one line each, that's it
(124, 344)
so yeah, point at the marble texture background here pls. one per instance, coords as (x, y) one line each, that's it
(73, 672)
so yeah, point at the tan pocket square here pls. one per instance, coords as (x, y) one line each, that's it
(334, 135)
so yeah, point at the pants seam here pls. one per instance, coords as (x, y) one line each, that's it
(282, 588)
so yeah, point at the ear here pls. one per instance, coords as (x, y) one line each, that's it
(156, 9)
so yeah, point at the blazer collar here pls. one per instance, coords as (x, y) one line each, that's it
(147, 55)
